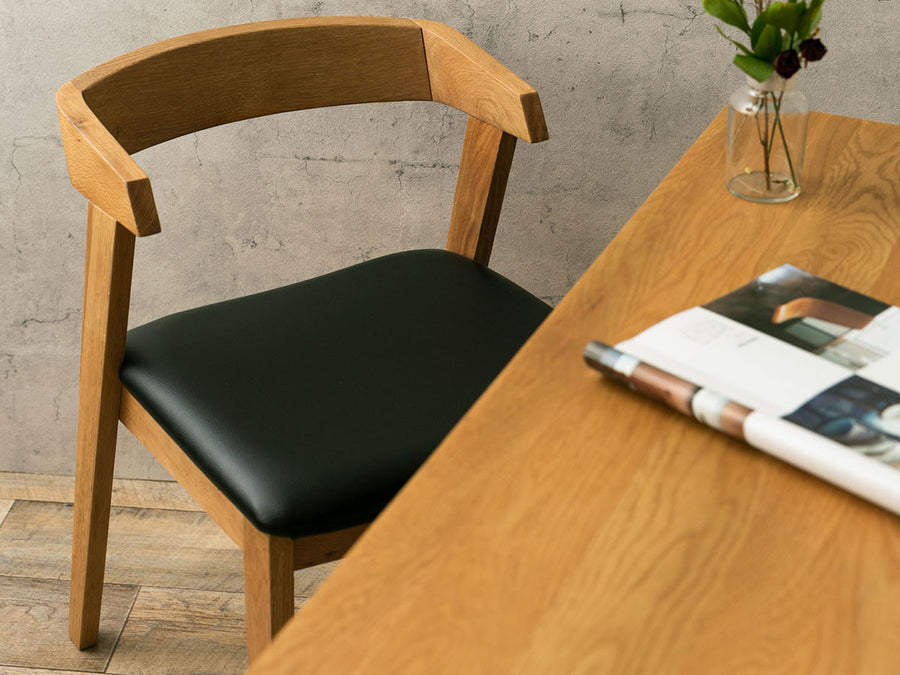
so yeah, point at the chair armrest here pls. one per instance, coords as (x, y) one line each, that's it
(468, 78)
(101, 169)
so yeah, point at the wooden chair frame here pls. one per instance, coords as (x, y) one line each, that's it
(197, 81)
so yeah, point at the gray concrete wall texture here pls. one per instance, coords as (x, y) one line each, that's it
(626, 86)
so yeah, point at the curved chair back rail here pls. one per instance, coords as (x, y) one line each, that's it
(223, 75)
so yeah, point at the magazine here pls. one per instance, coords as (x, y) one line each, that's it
(796, 366)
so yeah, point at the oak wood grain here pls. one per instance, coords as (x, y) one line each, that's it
(465, 76)
(157, 494)
(204, 79)
(160, 444)
(5, 506)
(323, 548)
(5, 670)
(268, 587)
(154, 547)
(480, 186)
(238, 72)
(170, 630)
(606, 533)
(33, 626)
(313, 550)
(107, 289)
(101, 169)
(308, 579)
(177, 631)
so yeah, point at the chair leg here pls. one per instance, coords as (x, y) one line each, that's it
(268, 586)
(110, 251)
(93, 489)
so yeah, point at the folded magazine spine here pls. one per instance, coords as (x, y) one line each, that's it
(820, 456)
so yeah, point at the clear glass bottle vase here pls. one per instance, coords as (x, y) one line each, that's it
(767, 123)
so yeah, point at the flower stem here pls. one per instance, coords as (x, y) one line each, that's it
(767, 146)
(780, 125)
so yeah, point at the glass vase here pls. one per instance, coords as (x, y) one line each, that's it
(767, 123)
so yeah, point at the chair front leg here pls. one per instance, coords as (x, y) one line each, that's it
(108, 265)
(268, 586)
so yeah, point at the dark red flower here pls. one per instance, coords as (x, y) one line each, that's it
(786, 63)
(812, 49)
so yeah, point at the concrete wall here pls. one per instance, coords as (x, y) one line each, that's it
(626, 87)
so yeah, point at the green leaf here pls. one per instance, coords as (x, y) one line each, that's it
(755, 31)
(809, 21)
(784, 15)
(756, 68)
(734, 42)
(729, 11)
(768, 44)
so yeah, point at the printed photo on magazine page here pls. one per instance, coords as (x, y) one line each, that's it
(843, 326)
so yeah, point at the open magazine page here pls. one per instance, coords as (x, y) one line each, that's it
(778, 341)
(747, 366)
(816, 364)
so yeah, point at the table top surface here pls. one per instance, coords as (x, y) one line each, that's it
(569, 525)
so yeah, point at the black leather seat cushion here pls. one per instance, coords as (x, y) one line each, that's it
(311, 405)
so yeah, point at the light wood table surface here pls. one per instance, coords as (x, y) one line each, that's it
(567, 525)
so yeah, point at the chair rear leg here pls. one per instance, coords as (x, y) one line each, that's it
(109, 257)
(268, 586)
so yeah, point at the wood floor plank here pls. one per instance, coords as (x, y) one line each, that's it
(4, 670)
(167, 552)
(152, 494)
(176, 631)
(34, 625)
(306, 581)
(171, 549)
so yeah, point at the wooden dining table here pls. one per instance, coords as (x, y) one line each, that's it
(568, 525)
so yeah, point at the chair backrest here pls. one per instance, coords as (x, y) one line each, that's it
(200, 80)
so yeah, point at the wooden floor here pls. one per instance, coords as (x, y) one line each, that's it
(173, 600)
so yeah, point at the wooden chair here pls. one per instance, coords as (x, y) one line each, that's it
(258, 478)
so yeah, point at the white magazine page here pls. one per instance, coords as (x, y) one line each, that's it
(734, 360)
(830, 461)
(881, 336)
